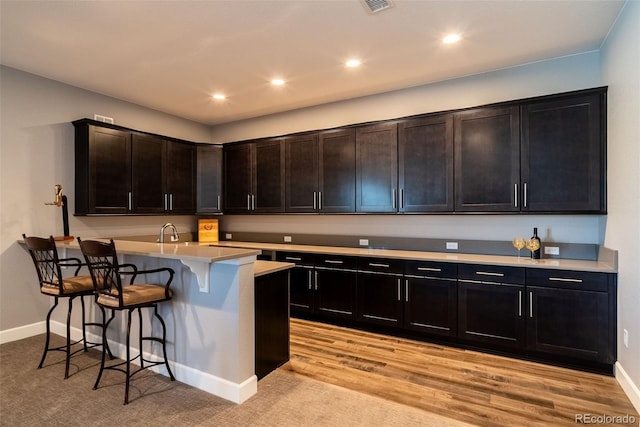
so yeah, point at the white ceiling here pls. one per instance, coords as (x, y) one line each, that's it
(172, 55)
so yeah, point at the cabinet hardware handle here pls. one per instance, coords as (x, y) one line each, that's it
(429, 269)
(320, 200)
(402, 198)
(316, 281)
(406, 290)
(171, 202)
(488, 273)
(253, 202)
(248, 202)
(393, 198)
(530, 303)
(374, 264)
(515, 195)
(562, 279)
(314, 201)
(293, 258)
(165, 201)
(218, 207)
(129, 201)
(399, 296)
(309, 276)
(519, 303)
(525, 195)
(330, 261)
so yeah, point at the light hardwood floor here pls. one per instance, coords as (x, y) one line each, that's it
(464, 385)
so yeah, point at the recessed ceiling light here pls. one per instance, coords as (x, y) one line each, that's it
(219, 96)
(352, 63)
(451, 38)
(277, 82)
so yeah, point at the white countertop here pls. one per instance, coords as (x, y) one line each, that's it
(262, 268)
(513, 261)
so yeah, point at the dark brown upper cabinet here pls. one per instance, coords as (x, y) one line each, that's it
(320, 172)
(209, 179)
(254, 176)
(487, 159)
(377, 168)
(425, 164)
(563, 154)
(103, 170)
(122, 171)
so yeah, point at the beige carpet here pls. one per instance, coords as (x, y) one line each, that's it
(39, 397)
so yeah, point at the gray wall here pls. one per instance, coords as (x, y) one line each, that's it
(621, 71)
(36, 152)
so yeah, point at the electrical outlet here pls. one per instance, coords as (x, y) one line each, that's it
(364, 242)
(287, 239)
(452, 246)
(625, 338)
(228, 236)
(551, 250)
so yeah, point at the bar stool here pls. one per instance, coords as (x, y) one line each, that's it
(49, 269)
(102, 261)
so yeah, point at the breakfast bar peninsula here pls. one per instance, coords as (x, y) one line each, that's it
(210, 320)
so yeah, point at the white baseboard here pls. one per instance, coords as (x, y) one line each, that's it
(234, 392)
(629, 387)
(22, 332)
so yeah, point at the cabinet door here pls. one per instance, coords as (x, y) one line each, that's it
(148, 172)
(336, 292)
(491, 313)
(268, 179)
(109, 171)
(376, 168)
(569, 323)
(180, 178)
(425, 164)
(487, 159)
(237, 178)
(563, 158)
(301, 289)
(209, 179)
(301, 173)
(380, 299)
(431, 305)
(337, 171)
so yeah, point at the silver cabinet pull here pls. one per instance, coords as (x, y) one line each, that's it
(293, 258)
(218, 207)
(248, 202)
(314, 201)
(393, 198)
(316, 281)
(562, 279)
(374, 264)
(515, 195)
(309, 279)
(530, 303)
(320, 200)
(489, 273)
(402, 198)
(165, 201)
(253, 202)
(525, 195)
(406, 290)
(519, 303)
(171, 202)
(399, 296)
(429, 269)
(129, 201)
(330, 261)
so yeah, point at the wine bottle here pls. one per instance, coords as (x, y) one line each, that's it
(535, 254)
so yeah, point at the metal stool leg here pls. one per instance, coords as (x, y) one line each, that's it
(140, 337)
(84, 325)
(105, 324)
(46, 342)
(164, 342)
(66, 369)
(128, 361)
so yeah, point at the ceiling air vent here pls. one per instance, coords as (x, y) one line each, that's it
(377, 5)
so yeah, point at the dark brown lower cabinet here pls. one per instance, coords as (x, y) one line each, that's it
(271, 298)
(431, 305)
(335, 292)
(301, 287)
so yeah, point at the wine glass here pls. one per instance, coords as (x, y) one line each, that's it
(533, 244)
(519, 244)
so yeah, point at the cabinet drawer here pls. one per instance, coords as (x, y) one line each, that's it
(298, 258)
(431, 269)
(336, 262)
(381, 265)
(491, 273)
(568, 279)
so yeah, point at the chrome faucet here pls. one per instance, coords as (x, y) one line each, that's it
(174, 236)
